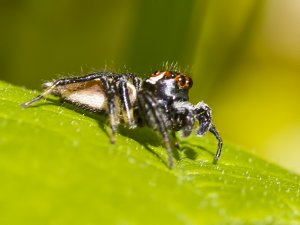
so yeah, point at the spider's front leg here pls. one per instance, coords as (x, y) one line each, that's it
(154, 116)
(202, 113)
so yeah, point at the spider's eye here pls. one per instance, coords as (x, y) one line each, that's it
(184, 82)
(180, 80)
(169, 74)
(156, 73)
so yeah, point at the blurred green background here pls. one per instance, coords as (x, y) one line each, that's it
(244, 56)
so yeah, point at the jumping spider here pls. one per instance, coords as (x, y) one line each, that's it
(160, 102)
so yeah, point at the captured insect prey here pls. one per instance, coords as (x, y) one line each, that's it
(160, 101)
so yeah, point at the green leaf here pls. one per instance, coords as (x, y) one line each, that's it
(58, 167)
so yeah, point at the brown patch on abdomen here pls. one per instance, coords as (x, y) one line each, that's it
(88, 93)
(87, 87)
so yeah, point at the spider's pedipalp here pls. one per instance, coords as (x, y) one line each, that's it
(183, 118)
(202, 113)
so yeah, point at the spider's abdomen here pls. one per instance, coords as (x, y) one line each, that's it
(91, 94)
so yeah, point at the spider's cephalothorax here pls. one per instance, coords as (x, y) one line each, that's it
(160, 101)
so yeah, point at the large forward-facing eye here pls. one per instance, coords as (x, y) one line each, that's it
(184, 82)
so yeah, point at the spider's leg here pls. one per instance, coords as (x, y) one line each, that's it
(176, 144)
(51, 86)
(126, 104)
(137, 83)
(214, 131)
(203, 114)
(110, 90)
(37, 98)
(44, 93)
(156, 120)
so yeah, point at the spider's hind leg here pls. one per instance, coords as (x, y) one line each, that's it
(125, 102)
(50, 86)
(26, 104)
(110, 90)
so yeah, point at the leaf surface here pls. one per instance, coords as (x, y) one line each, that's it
(57, 166)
